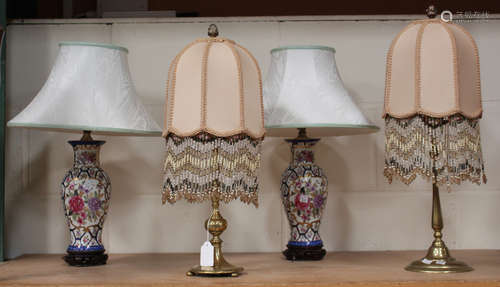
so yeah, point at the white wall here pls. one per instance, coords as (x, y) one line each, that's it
(363, 212)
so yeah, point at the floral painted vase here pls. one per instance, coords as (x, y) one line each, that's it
(304, 193)
(86, 191)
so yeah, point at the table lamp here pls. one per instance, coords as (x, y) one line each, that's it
(432, 111)
(88, 90)
(303, 92)
(214, 127)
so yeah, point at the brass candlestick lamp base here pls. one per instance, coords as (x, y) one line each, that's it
(216, 224)
(438, 259)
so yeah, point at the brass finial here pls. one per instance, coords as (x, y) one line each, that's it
(86, 137)
(213, 31)
(431, 11)
(302, 133)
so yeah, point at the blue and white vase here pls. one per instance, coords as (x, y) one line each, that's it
(304, 193)
(86, 191)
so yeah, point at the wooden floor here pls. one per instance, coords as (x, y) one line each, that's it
(344, 269)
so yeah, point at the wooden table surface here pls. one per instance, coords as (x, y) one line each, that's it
(261, 269)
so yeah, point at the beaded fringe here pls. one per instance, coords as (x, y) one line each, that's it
(413, 145)
(199, 167)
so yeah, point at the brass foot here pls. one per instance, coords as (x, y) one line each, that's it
(438, 258)
(448, 265)
(224, 270)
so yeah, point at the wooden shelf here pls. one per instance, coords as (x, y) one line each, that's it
(261, 269)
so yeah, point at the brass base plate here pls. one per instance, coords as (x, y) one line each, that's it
(223, 270)
(448, 265)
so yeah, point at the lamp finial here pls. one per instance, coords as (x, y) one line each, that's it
(431, 11)
(213, 31)
(86, 137)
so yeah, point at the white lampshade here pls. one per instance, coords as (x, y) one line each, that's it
(89, 88)
(303, 89)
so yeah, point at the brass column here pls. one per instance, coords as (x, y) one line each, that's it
(438, 259)
(216, 224)
(438, 249)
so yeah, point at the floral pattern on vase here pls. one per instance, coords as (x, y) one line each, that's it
(304, 194)
(86, 191)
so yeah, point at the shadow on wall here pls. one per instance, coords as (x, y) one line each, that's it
(335, 169)
(32, 206)
(260, 229)
(133, 172)
(25, 64)
(137, 220)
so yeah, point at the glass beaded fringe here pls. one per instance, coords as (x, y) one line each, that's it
(203, 165)
(452, 144)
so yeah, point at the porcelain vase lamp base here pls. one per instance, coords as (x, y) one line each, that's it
(304, 193)
(438, 258)
(86, 191)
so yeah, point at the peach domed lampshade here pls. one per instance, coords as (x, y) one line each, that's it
(432, 110)
(433, 69)
(215, 87)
